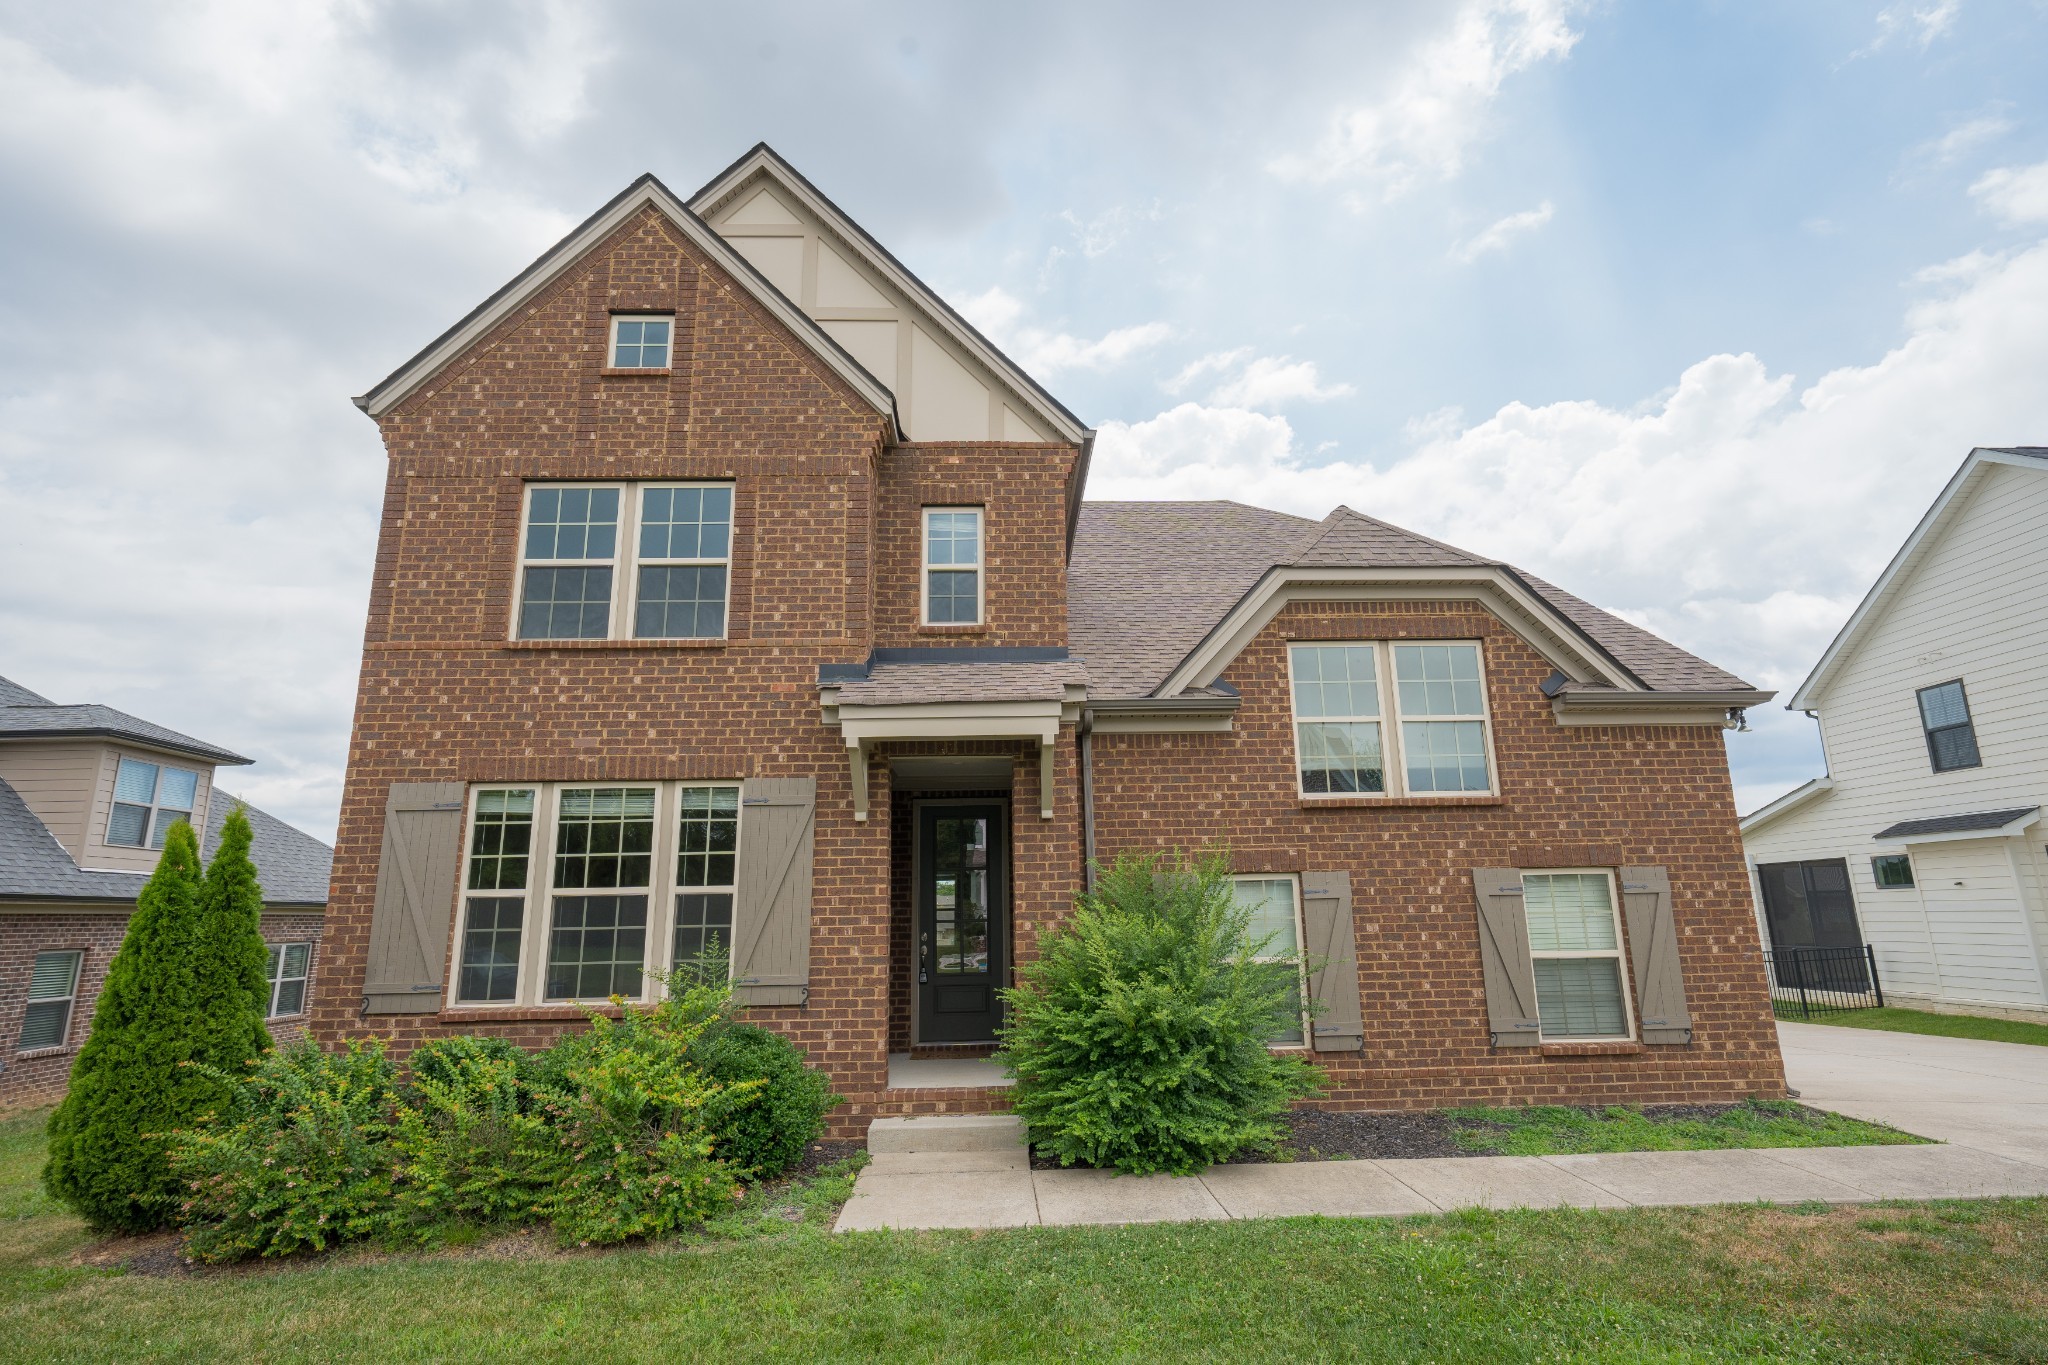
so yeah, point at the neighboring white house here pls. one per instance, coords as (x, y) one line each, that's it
(1926, 839)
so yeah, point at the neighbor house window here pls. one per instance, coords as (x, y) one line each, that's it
(603, 879)
(707, 866)
(1575, 942)
(952, 566)
(642, 561)
(1276, 928)
(1430, 740)
(52, 990)
(148, 799)
(1892, 870)
(1951, 737)
(287, 973)
(640, 343)
(500, 862)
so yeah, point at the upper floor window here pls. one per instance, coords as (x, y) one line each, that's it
(1951, 737)
(640, 343)
(148, 799)
(952, 566)
(625, 561)
(1432, 739)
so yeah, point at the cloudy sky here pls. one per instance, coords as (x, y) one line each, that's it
(1688, 305)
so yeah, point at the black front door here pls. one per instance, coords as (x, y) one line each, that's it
(962, 922)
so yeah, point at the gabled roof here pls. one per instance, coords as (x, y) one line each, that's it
(1151, 584)
(292, 866)
(646, 192)
(1984, 822)
(762, 162)
(24, 715)
(1937, 519)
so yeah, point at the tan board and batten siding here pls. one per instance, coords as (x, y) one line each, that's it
(69, 786)
(1975, 608)
(941, 393)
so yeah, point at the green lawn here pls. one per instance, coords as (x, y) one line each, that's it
(1551, 1130)
(1940, 1282)
(1940, 1025)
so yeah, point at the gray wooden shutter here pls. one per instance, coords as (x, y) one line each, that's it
(1504, 958)
(415, 898)
(1653, 951)
(1333, 956)
(771, 951)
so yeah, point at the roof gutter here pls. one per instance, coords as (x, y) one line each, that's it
(1605, 706)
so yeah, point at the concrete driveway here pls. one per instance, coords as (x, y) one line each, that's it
(1990, 1096)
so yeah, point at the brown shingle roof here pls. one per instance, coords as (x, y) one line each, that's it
(1148, 580)
(892, 684)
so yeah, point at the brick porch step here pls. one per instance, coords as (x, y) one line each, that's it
(946, 1133)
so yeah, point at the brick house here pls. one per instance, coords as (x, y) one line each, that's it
(87, 796)
(730, 584)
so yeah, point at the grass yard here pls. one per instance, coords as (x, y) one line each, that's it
(1939, 1025)
(1553, 1130)
(1929, 1282)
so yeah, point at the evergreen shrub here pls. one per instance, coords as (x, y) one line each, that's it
(473, 1139)
(1138, 1035)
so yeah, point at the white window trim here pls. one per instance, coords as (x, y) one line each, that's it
(1619, 953)
(1300, 956)
(1911, 868)
(192, 817)
(980, 567)
(77, 957)
(277, 982)
(1392, 755)
(625, 562)
(536, 925)
(611, 342)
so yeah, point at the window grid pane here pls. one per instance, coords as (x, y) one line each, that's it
(604, 837)
(1336, 682)
(45, 1024)
(680, 603)
(127, 825)
(1892, 869)
(702, 918)
(135, 782)
(164, 820)
(1580, 997)
(501, 841)
(490, 949)
(566, 604)
(572, 523)
(953, 597)
(597, 947)
(54, 976)
(1944, 705)
(708, 837)
(1438, 680)
(1341, 757)
(179, 789)
(685, 523)
(1445, 755)
(640, 344)
(953, 538)
(1569, 912)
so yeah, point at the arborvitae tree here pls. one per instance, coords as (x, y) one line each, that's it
(184, 994)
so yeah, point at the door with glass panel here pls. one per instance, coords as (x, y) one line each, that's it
(962, 898)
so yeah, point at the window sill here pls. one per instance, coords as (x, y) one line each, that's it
(1615, 1048)
(521, 1014)
(610, 373)
(38, 1053)
(977, 628)
(719, 643)
(1399, 802)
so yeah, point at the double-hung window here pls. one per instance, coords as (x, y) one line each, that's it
(148, 799)
(602, 880)
(952, 566)
(1431, 740)
(1276, 934)
(641, 341)
(52, 990)
(707, 868)
(494, 896)
(625, 561)
(1575, 945)
(1951, 735)
(289, 967)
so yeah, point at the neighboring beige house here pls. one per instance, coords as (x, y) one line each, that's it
(1926, 839)
(87, 796)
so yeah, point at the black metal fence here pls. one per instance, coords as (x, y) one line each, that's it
(1810, 981)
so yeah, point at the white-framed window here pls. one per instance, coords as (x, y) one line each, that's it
(1275, 905)
(52, 991)
(290, 964)
(1892, 871)
(644, 561)
(565, 887)
(148, 799)
(1575, 944)
(953, 585)
(640, 341)
(1390, 718)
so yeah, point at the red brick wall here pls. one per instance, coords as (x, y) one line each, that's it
(40, 1077)
(1597, 796)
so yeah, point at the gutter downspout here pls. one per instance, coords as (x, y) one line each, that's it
(1085, 730)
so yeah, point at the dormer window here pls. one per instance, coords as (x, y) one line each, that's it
(148, 800)
(952, 566)
(640, 342)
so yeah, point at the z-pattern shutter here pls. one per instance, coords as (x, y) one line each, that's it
(415, 903)
(771, 960)
(1653, 951)
(1333, 953)
(1504, 960)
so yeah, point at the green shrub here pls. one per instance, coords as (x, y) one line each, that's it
(299, 1159)
(455, 1060)
(473, 1139)
(178, 1015)
(1138, 1036)
(762, 1133)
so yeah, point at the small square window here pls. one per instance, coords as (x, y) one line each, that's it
(1892, 870)
(640, 343)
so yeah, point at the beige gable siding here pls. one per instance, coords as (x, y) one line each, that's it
(106, 857)
(1976, 609)
(56, 780)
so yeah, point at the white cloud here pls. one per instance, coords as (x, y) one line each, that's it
(1043, 352)
(1497, 237)
(1102, 234)
(1960, 141)
(1213, 363)
(1918, 24)
(1271, 381)
(1437, 107)
(2016, 194)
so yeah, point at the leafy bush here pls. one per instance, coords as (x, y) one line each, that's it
(473, 1139)
(1138, 1035)
(297, 1160)
(456, 1060)
(762, 1133)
